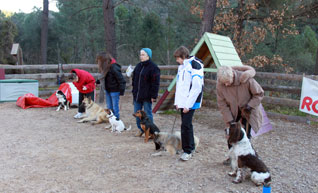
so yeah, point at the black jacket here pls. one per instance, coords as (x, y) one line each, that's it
(114, 80)
(146, 81)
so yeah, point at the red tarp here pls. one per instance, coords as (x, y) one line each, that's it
(30, 101)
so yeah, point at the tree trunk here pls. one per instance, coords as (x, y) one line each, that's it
(208, 16)
(109, 25)
(316, 65)
(240, 23)
(44, 31)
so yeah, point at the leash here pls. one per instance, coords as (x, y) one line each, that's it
(175, 118)
(247, 127)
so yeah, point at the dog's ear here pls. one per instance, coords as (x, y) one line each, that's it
(238, 125)
(234, 133)
(158, 146)
(143, 114)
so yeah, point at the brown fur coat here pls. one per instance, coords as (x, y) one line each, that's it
(243, 91)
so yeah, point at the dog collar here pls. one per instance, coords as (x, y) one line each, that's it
(90, 106)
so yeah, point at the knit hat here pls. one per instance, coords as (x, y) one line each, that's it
(148, 51)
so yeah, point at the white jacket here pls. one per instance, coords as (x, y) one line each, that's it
(189, 88)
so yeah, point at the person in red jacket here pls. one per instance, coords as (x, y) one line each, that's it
(85, 84)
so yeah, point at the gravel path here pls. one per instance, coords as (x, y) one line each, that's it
(42, 150)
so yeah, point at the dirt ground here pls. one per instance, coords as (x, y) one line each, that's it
(42, 150)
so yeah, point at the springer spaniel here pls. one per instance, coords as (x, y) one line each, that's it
(242, 155)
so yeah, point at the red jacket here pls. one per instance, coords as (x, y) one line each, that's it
(84, 79)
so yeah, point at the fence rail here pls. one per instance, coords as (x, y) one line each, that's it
(48, 79)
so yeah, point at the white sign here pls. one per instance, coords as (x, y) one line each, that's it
(309, 97)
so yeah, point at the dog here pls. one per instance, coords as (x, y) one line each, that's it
(242, 155)
(94, 113)
(63, 102)
(170, 142)
(116, 125)
(146, 124)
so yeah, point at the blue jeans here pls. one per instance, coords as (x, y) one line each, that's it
(147, 109)
(112, 101)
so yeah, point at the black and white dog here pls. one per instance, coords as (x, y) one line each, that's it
(242, 155)
(63, 102)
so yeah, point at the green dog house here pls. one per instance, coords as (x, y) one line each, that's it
(12, 89)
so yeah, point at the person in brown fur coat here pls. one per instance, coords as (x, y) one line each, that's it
(239, 97)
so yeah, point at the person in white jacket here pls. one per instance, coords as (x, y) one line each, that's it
(188, 96)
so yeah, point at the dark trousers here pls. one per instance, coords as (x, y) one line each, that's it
(243, 122)
(81, 109)
(187, 137)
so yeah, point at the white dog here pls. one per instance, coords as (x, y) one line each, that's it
(116, 125)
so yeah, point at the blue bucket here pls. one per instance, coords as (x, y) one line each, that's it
(266, 189)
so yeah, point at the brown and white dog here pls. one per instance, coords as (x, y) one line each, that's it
(146, 124)
(94, 113)
(243, 155)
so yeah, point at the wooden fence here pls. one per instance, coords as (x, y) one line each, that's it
(284, 93)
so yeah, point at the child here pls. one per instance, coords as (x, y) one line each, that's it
(85, 84)
(188, 97)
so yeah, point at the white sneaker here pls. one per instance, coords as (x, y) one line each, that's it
(185, 156)
(78, 115)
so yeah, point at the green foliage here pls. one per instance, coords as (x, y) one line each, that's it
(170, 112)
(7, 33)
(29, 35)
(80, 34)
(284, 110)
(310, 41)
(76, 32)
(299, 51)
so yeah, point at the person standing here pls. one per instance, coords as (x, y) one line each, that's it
(145, 83)
(188, 96)
(85, 84)
(114, 81)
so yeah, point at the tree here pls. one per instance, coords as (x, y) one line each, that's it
(44, 31)
(8, 31)
(109, 25)
(316, 64)
(29, 35)
(251, 23)
(208, 16)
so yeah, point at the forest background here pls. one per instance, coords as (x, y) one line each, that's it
(271, 35)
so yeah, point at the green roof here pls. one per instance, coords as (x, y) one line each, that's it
(221, 48)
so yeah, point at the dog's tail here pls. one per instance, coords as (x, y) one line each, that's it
(127, 129)
(196, 142)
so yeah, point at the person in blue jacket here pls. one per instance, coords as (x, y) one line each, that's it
(145, 83)
(188, 96)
